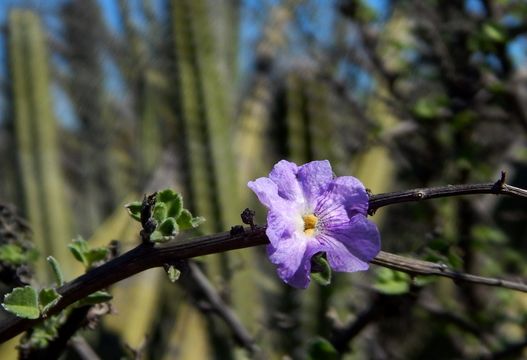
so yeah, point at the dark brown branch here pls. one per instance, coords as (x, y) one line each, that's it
(146, 256)
(380, 200)
(141, 258)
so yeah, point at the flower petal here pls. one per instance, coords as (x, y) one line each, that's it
(345, 191)
(349, 246)
(293, 260)
(284, 176)
(267, 191)
(282, 223)
(340, 258)
(314, 177)
(287, 255)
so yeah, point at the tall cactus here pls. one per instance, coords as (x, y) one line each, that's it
(42, 184)
(309, 120)
(204, 111)
(149, 127)
(192, 114)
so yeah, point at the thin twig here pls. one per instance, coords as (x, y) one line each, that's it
(83, 349)
(380, 200)
(420, 267)
(144, 257)
(241, 334)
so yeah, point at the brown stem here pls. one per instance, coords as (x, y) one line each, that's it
(380, 200)
(420, 267)
(141, 258)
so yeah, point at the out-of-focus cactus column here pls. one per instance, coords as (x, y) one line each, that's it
(41, 181)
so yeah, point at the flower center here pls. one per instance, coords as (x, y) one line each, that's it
(310, 224)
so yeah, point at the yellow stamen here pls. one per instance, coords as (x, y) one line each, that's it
(310, 224)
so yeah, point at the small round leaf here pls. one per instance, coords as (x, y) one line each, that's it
(22, 302)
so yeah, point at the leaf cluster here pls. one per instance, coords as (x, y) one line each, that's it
(169, 215)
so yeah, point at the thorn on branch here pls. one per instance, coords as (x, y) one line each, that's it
(498, 185)
(237, 230)
(115, 249)
(248, 217)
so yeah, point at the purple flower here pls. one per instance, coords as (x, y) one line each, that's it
(311, 211)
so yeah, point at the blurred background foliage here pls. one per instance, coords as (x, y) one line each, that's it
(104, 100)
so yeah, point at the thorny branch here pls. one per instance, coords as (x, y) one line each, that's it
(144, 256)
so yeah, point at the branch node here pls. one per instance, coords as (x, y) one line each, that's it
(498, 185)
(149, 224)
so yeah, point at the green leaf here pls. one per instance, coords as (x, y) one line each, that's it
(95, 298)
(320, 348)
(169, 227)
(455, 259)
(424, 280)
(173, 273)
(392, 288)
(197, 221)
(484, 234)
(47, 298)
(160, 211)
(134, 209)
(13, 254)
(323, 275)
(95, 255)
(167, 195)
(56, 270)
(175, 206)
(186, 221)
(22, 302)
(391, 282)
(173, 202)
(78, 248)
(157, 237)
(494, 32)
(43, 333)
